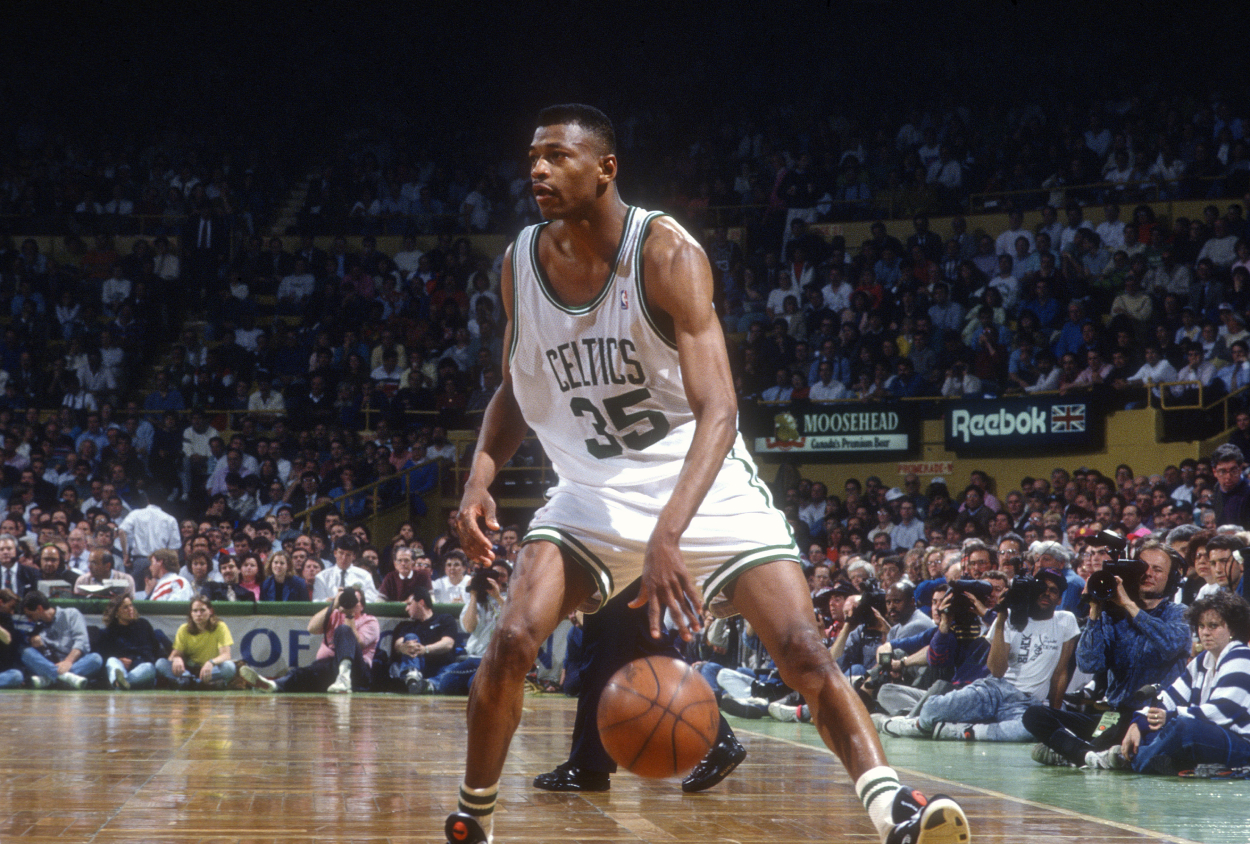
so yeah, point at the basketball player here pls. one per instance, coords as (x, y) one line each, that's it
(615, 358)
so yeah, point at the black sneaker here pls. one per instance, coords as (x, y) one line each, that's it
(464, 829)
(568, 777)
(918, 820)
(719, 763)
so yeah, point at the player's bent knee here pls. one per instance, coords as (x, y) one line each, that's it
(806, 663)
(514, 648)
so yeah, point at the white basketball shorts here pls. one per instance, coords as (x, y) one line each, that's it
(606, 530)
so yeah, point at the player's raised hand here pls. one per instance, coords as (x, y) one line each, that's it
(666, 585)
(477, 507)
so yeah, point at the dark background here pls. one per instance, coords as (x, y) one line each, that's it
(470, 76)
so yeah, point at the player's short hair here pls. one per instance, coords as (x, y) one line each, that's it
(588, 117)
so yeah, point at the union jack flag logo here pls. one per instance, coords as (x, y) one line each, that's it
(1067, 418)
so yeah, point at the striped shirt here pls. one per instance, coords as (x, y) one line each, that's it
(1218, 693)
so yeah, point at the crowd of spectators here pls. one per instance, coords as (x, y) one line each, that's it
(1056, 611)
(773, 166)
(90, 184)
(1108, 306)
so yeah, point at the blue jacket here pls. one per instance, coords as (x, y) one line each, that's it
(1135, 652)
(294, 588)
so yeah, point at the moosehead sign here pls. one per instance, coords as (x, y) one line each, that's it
(1005, 426)
(851, 432)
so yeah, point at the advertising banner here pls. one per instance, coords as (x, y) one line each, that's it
(1025, 425)
(843, 431)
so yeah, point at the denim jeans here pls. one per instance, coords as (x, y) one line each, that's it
(88, 665)
(1186, 742)
(141, 676)
(222, 674)
(402, 664)
(990, 701)
(12, 679)
(456, 678)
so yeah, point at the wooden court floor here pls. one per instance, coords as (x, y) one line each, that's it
(246, 767)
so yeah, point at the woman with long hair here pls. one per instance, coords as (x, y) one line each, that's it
(201, 655)
(129, 646)
(281, 583)
(249, 572)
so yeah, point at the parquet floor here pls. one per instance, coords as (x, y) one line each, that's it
(264, 769)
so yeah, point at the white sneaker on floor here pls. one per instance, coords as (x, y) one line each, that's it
(37, 682)
(953, 731)
(117, 678)
(72, 680)
(788, 713)
(900, 726)
(252, 676)
(1111, 759)
(342, 685)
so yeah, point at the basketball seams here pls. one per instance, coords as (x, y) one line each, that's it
(628, 738)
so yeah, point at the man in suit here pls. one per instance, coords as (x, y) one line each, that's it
(14, 576)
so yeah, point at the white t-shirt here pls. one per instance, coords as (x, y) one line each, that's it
(446, 592)
(1034, 652)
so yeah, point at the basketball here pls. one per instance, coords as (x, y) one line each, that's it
(658, 717)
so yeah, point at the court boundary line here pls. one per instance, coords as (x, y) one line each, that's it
(1161, 836)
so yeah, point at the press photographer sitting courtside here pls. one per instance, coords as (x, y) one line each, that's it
(1031, 643)
(1134, 634)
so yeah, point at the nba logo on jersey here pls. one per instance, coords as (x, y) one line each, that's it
(624, 299)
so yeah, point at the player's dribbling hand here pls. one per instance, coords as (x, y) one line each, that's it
(477, 507)
(666, 585)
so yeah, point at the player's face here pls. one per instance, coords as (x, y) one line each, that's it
(568, 169)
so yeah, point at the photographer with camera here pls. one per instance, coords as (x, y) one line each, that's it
(954, 651)
(1031, 645)
(904, 638)
(1051, 555)
(349, 638)
(1134, 634)
(478, 619)
(855, 647)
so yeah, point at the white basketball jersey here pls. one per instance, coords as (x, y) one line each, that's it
(599, 383)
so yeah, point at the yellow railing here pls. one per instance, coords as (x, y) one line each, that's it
(1168, 401)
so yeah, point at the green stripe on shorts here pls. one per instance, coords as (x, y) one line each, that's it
(729, 571)
(579, 553)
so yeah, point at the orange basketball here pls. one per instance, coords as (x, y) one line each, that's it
(658, 717)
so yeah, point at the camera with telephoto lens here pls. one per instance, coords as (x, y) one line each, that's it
(479, 583)
(963, 611)
(348, 599)
(1019, 600)
(870, 599)
(1101, 586)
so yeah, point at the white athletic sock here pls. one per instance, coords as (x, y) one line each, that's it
(876, 789)
(480, 803)
(345, 668)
